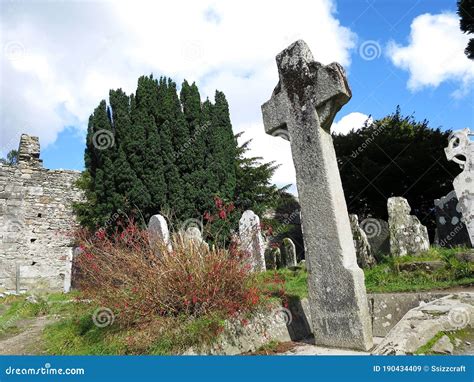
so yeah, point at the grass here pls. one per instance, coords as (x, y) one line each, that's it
(295, 282)
(386, 277)
(79, 336)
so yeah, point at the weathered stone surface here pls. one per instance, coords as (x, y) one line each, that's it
(194, 235)
(36, 220)
(239, 337)
(378, 235)
(270, 259)
(426, 266)
(288, 253)
(419, 325)
(387, 309)
(302, 109)
(467, 257)
(365, 259)
(251, 240)
(407, 234)
(451, 231)
(443, 346)
(158, 231)
(29, 151)
(461, 150)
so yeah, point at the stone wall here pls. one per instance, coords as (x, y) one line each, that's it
(36, 220)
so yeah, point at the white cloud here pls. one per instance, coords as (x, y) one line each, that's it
(60, 59)
(435, 53)
(352, 121)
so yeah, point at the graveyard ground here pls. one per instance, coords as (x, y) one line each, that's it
(61, 323)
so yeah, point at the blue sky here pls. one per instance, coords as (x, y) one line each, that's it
(60, 59)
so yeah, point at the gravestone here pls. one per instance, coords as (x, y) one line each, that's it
(365, 259)
(158, 231)
(450, 229)
(251, 240)
(407, 234)
(271, 258)
(461, 150)
(193, 235)
(302, 109)
(288, 253)
(378, 235)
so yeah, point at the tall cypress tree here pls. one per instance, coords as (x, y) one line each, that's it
(171, 153)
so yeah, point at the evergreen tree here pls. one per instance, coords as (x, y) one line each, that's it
(466, 13)
(254, 188)
(11, 159)
(171, 153)
(394, 156)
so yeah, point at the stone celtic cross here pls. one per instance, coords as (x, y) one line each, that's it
(302, 109)
(461, 150)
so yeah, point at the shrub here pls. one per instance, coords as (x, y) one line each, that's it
(140, 282)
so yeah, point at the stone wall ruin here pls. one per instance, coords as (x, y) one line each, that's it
(36, 220)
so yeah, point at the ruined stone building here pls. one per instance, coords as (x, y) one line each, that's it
(36, 222)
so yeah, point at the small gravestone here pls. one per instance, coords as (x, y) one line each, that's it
(451, 231)
(378, 235)
(193, 235)
(361, 243)
(301, 110)
(271, 259)
(461, 150)
(158, 232)
(288, 253)
(251, 240)
(407, 234)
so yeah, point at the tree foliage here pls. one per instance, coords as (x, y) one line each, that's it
(394, 156)
(11, 159)
(170, 153)
(466, 14)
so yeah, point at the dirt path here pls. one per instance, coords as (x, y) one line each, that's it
(29, 341)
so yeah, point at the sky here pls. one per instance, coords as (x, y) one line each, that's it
(60, 58)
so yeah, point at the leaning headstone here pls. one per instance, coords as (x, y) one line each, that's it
(449, 226)
(302, 109)
(251, 240)
(378, 235)
(407, 234)
(461, 150)
(288, 253)
(361, 243)
(158, 231)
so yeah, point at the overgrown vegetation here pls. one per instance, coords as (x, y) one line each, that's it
(160, 301)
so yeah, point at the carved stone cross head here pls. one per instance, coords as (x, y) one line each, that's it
(304, 83)
(460, 148)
